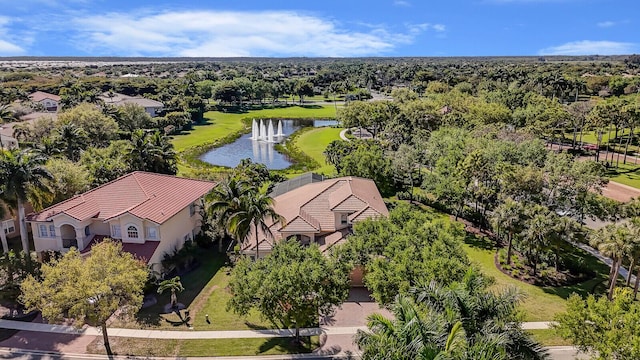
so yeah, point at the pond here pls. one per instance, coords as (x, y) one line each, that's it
(261, 151)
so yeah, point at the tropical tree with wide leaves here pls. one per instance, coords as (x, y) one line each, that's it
(483, 313)
(535, 238)
(224, 201)
(612, 241)
(255, 213)
(174, 286)
(151, 151)
(22, 172)
(71, 140)
(508, 217)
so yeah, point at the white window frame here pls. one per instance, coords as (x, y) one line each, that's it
(52, 230)
(115, 231)
(129, 232)
(344, 219)
(151, 233)
(9, 226)
(43, 231)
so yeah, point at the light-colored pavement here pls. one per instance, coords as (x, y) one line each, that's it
(555, 352)
(343, 135)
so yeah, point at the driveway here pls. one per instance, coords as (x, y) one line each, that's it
(353, 313)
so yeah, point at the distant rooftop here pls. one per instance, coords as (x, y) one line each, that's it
(295, 183)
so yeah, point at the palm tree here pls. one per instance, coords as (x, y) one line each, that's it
(21, 172)
(174, 285)
(633, 246)
(564, 229)
(410, 335)
(612, 241)
(508, 216)
(71, 140)
(256, 206)
(538, 226)
(224, 201)
(151, 152)
(483, 314)
(22, 131)
(6, 114)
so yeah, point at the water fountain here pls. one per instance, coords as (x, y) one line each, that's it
(254, 130)
(263, 131)
(270, 132)
(280, 133)
(259, 144)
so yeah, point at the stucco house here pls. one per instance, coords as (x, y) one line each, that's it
(50, 102)
(319, 211)
(152, 107)
(151, 214)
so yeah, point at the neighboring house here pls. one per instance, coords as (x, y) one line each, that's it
(50, 102)
(10, 222)
(321, 212)
(151, 214)
(152, 107)
(8, 142)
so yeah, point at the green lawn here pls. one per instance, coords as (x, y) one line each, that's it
(205, 293)
(314, 142)
(626, 174)
(548, 337)
(221, 124)
(541, 303)
(204, 347)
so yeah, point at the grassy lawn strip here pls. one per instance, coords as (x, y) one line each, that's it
(314, 142)
(203, 347)
(540, 303)
(221, 124)
(625, 174)
(548, 337)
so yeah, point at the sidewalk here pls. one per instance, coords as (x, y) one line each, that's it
(192, 334)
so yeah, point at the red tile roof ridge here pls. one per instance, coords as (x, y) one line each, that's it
(75, 197)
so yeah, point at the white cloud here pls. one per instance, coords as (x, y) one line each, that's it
(230, 33)
(419, 28)
(7, 41)
(606, 24)
(589, 47)
(401, 3)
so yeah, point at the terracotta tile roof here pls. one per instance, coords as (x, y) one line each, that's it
(149, 196)
(143, 252)
(312, 208)
(41, 95)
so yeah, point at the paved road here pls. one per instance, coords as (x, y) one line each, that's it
(556, 352)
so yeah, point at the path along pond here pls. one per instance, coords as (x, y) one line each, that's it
(259, 144)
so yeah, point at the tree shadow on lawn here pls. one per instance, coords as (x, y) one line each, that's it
(194, 283)
(311, 106)
(480, 242)
(288, 345)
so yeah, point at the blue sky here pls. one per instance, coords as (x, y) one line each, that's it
(342, 28)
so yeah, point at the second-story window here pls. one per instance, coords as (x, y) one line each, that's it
(132, 232)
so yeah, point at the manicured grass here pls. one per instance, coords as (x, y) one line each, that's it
(314, 142)
(626, 174)
(541, 303)
(203, 347)
(548, 337)
(221, 124)
(205, 293)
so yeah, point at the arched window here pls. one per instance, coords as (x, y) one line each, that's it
(132, 232)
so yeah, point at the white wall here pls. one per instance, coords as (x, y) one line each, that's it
(173, 231)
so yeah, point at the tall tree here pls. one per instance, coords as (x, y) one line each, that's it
(508, 217)
(255, 210)
(71, 140)
(21, 172)
(290, 287)
(90, 290)
(612, 241)
(174, 286)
